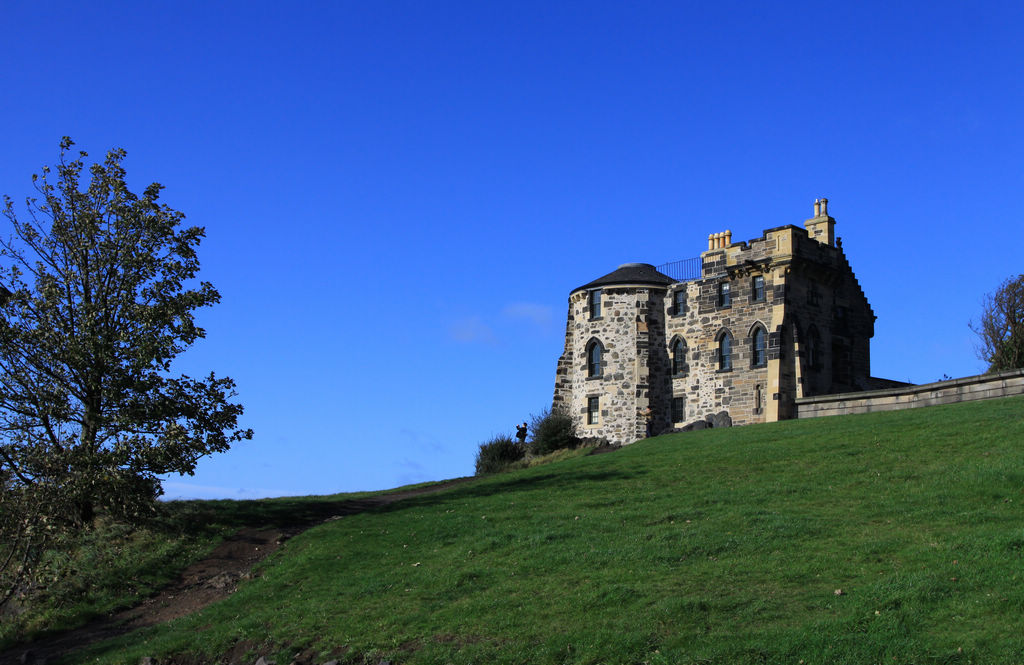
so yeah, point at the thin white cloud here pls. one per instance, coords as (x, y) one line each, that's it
(539, 315)
(471, 329)
(421, 441)
(176, 490)
(411, 472)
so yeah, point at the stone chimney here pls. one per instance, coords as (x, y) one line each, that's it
(821, 227)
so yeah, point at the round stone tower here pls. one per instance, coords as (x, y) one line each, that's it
(614, 340)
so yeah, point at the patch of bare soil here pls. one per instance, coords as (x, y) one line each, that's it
(206, 581)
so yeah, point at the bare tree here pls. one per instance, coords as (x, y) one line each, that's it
(1001, 327)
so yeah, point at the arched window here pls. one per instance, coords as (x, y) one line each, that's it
(759, 347)
(594, 352)
(679, 357)
(725, 351)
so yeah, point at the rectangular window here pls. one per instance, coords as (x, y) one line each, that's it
(724, 295)
(678, 302)
(595, 304)
(758, 288)
(678, 409)
(593, 410)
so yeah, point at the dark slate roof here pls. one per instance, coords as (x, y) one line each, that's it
(630, 273)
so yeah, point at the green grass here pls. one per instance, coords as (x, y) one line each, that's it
(115, 566)
(720, 546)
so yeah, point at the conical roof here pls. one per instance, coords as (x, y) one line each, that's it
(630, 273)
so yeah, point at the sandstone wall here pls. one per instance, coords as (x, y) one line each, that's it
(983, 386)
(706, 387)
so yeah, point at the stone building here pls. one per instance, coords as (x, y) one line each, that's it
(755, 325)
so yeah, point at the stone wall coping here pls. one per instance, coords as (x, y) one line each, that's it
(913, 390)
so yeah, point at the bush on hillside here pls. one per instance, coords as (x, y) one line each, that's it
(552, 430)
(497, 454)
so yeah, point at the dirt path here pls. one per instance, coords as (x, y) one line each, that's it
(205, 581)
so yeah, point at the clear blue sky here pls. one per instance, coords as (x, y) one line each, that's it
(399, 196)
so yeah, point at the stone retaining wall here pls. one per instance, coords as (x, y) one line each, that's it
(967, 389)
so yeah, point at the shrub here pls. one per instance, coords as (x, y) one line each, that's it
(497, 454)
(552, 430)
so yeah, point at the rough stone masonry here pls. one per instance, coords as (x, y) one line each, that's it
(767, 321)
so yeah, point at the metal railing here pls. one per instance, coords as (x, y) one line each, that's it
(686, 270)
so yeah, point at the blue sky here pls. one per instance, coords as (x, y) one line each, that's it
(398, 196)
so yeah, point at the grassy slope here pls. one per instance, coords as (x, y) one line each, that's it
(116, 565)
(723, 546)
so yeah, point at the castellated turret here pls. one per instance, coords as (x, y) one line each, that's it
(756, 325)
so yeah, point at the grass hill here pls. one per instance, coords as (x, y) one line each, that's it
(883, 538)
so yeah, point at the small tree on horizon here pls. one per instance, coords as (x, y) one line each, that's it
(97, 296)
(1001, 327)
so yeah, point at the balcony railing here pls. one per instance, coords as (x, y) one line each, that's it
(686, 270)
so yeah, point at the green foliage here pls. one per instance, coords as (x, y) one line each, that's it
(97, 296)
(497, 455)
(1001, 327)
(552, 430)
(720, 546)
